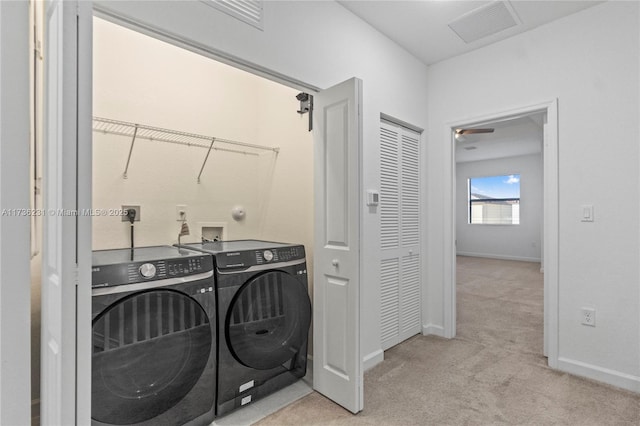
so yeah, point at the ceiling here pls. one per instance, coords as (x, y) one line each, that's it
(421, 27)
(434, 31)
(513, 137)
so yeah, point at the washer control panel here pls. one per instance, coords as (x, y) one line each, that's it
(136, 272)
(147, 270)
(267, 255)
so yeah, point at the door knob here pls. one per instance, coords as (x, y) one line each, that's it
(335, 262)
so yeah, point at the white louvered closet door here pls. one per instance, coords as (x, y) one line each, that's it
(400, 233)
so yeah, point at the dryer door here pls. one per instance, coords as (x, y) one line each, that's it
(268, 320)
(149, 350)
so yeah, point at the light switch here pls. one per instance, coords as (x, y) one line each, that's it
(587, 213)
(373, 197)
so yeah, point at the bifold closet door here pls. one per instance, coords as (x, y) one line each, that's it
(400, 233)
(65, 390)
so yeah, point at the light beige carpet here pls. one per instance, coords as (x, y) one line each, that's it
(493, 372)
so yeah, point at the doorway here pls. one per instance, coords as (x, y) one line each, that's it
(549, 244)
(499, 193)
(337, 130)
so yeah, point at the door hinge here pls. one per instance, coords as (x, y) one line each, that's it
(38, 49)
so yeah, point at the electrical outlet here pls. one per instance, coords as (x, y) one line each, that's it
(589, 317)
(127, 208)
(181, 212)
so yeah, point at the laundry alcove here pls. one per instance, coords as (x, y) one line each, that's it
(175, 132)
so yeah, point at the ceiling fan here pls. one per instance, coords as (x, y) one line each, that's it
(461, 133)
(473, 131)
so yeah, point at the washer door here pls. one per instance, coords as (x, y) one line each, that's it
(149, 350)
(268, 320)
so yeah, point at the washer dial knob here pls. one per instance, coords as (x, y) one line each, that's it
(147, 270)
(268, 255)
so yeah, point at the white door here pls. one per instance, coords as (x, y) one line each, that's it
(66, 249)
(400, 241)
(337, 364)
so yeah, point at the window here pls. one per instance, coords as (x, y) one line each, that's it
(494, 200)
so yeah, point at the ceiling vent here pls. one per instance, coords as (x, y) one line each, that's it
(485, 21)
(249, 11)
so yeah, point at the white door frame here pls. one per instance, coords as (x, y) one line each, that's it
(15, 322)
(550, 220)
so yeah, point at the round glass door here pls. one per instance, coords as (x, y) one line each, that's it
(268, 321)
(149, 350)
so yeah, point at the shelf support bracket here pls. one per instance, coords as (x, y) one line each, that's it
(206, 158)
(133, 141)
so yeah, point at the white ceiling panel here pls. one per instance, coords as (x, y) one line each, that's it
(421, 27)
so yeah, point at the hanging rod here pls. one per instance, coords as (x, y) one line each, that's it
(142, 131)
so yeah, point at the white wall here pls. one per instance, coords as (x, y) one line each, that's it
(589, 61)
(14, 225)
(515, 242)
(319, 43)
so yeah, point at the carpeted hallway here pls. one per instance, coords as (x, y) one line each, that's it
(493, 372)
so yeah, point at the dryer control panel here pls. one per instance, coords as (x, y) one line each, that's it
(284, 254)
(262, 256)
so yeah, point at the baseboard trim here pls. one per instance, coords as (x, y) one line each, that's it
(432, 329)
(368, 361)
(604, 375)
(372, 359)
(499, 256)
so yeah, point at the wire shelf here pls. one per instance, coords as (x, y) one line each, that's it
(151, 133)
(124, 128)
